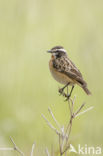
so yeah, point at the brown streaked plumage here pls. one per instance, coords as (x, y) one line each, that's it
(64, 70)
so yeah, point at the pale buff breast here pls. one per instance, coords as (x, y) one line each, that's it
(60, 77)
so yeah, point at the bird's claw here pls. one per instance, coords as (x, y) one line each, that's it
(64, 94)
(60, 91)
(67, 98)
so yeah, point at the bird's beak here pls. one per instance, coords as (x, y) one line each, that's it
(49, 51)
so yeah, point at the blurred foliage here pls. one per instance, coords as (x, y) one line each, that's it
(27, 30)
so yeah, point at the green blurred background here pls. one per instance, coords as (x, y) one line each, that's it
(28, 28)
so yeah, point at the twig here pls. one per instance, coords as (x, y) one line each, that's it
(88, 109)
(16, 148)
(79, 109)
(66, 149)
(68, 130)
(50, 125)
(52, 151)
(64, 134)
(70, 107)
(60, 148)
(58, 125)
(6, 149)
(47, 152)
(32, 150)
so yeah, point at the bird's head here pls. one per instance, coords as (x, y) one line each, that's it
(57, 51)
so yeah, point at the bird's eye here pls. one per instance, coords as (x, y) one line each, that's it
(58, 55)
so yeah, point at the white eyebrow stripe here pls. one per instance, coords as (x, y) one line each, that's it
(63, 50)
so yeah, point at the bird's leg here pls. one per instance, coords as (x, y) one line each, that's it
(62, 89)
(69, 95)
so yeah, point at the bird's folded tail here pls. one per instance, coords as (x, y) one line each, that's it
(87, 90)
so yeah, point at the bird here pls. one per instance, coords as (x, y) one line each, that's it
(65, 71)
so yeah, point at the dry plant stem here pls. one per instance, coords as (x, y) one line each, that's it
(65, 151)
(16, 148)
(58, 125)
(70, 121)
(32, 150)
(72, 116)
(64, 134)
(52, 151)
(79, 109)
(68, 130)
(69, 126)
(50, 125)
(47, 152)
(60, 148)
(6, 149)
(88, 109)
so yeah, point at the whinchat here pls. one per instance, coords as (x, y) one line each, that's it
(64, 70)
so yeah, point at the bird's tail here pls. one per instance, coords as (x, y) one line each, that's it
(87, 90)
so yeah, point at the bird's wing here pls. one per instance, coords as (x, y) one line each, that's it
(66, 66)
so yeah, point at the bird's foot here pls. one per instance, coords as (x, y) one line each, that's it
(67, 97)
(61, 91)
